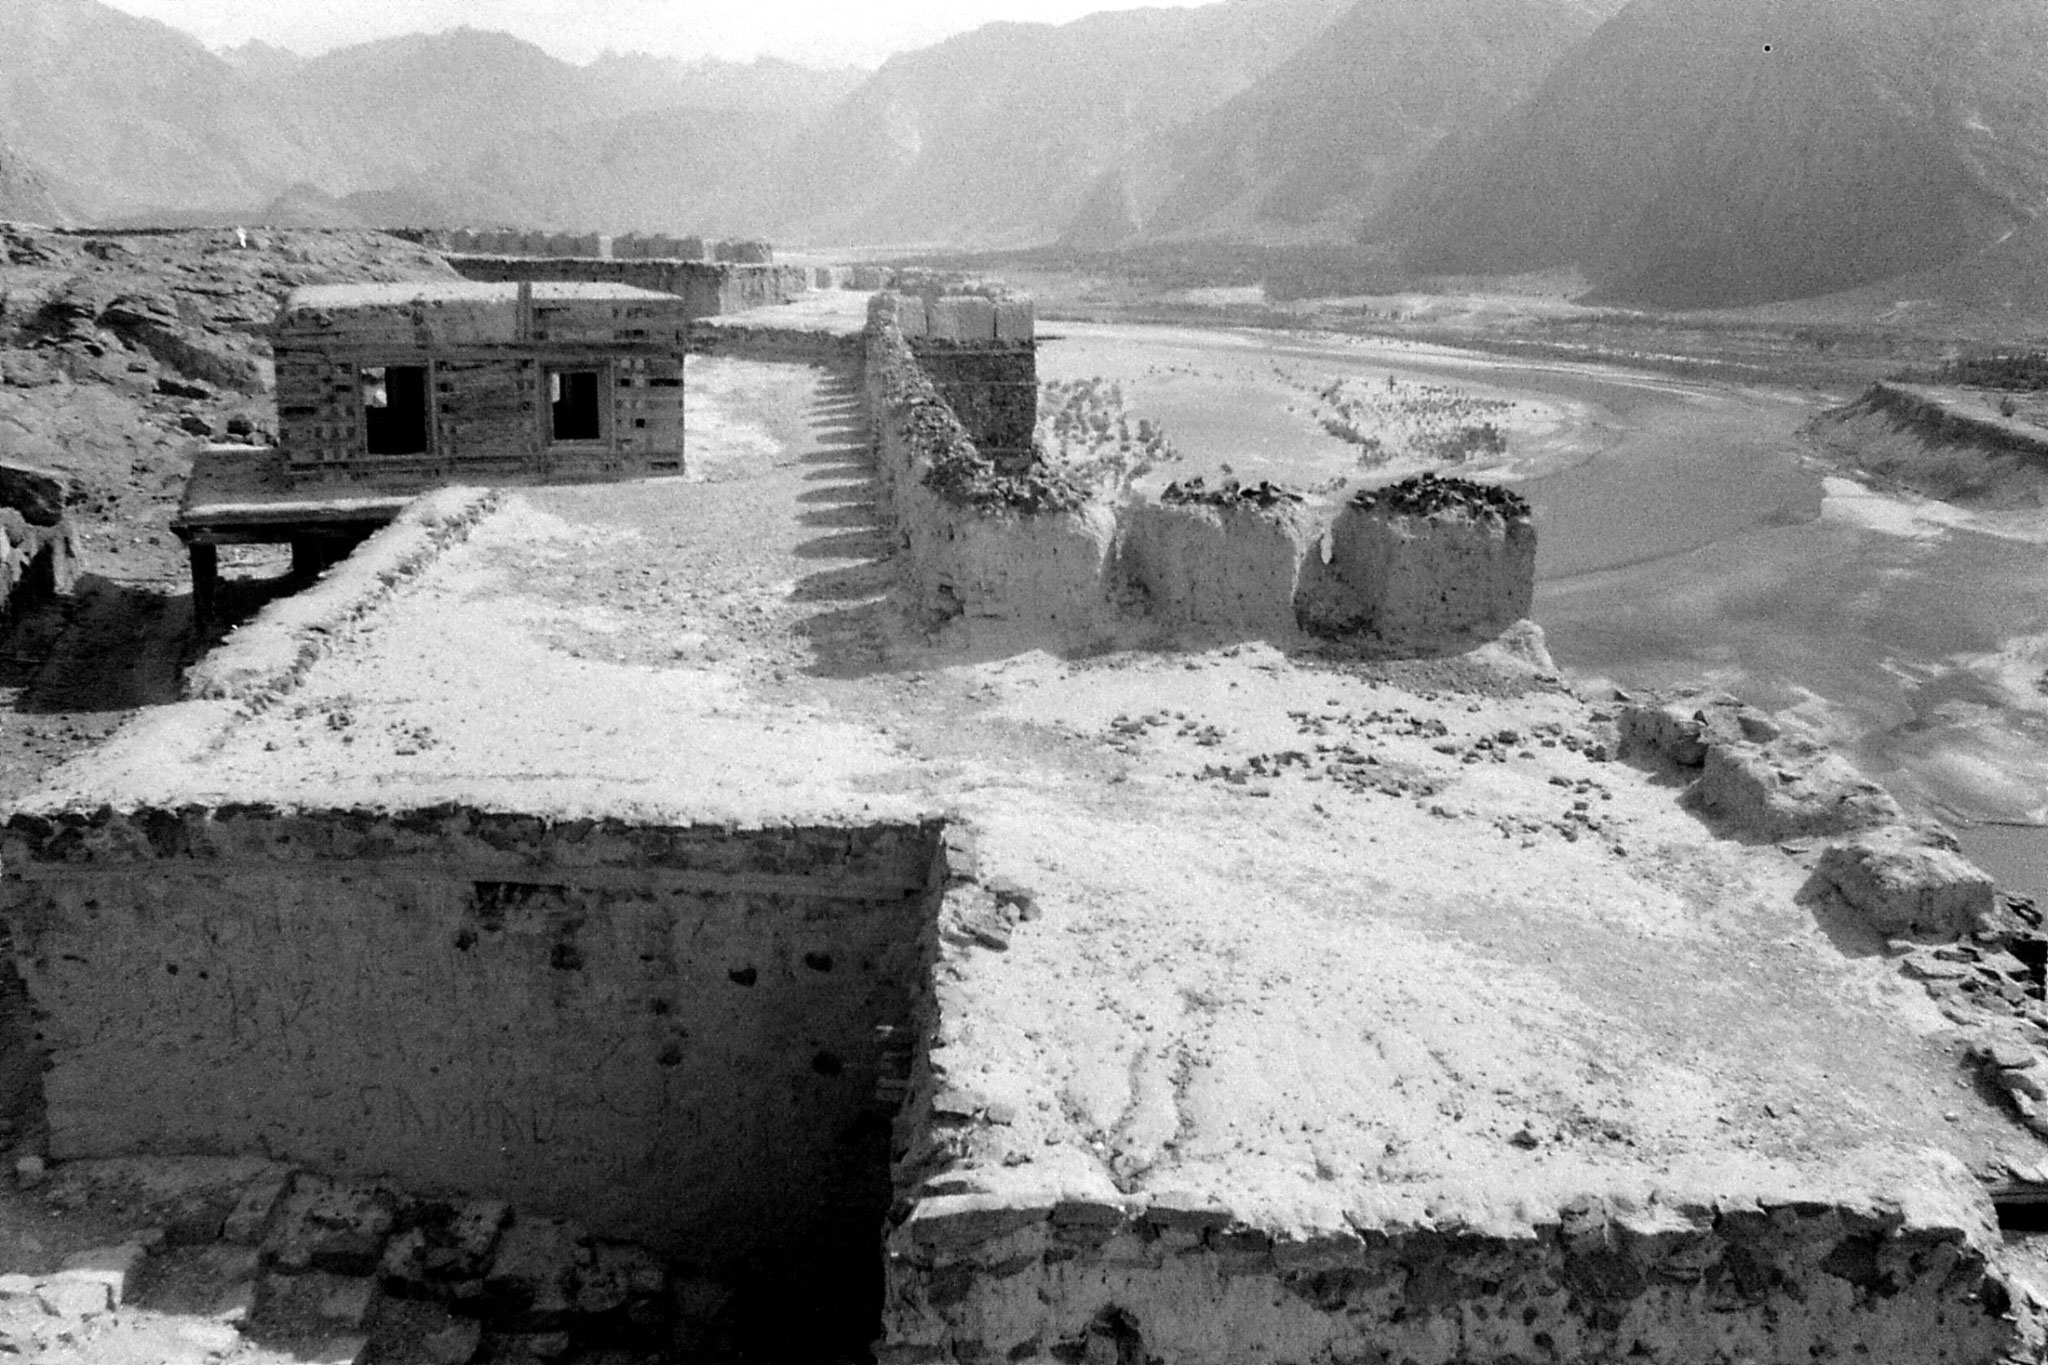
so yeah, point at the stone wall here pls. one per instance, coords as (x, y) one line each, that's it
(1061, 1259)
(631, 246)
(1235, 568)
(676, 1035)
(707, 289)
(1426, 564)
(1415, 571)
(1183, 1279)
(981, 352)
(1026, 554)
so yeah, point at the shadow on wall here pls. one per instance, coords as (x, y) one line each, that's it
(109, 646)
(847, 633)
(694, 1037)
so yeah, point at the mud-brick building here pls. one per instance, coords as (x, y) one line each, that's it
(385, 390)
(517, 383)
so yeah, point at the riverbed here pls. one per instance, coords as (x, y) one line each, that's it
(1687, 533)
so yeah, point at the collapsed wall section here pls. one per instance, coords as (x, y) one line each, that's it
(673, 1034)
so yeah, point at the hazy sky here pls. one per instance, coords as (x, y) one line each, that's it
(828, 32)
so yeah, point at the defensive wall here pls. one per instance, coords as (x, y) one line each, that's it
(1428, 565)
(707, 289)
(589, 245)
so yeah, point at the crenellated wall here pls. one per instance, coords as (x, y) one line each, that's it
(1426, 564)
(707, 289)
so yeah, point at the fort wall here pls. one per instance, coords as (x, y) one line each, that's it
(1184, 1279)
(1426, 564)
(972, 541)
(676, 1035)
(707, 289)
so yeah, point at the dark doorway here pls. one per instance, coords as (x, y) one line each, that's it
(573, 401)
(395, 409)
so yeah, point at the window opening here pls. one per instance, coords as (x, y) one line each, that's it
(395, 409)
(573, 405)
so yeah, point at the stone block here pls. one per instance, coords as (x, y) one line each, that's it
(952, 1224)
(69, 1298)
(211, 1339)
(231, 1262)
(337, 1301)
(328, 1225)
(1231, 569)
(533, 1276)
(456, 1344)
(912, 318)
(1419, 581)
(620, 1273)
(1681, 728)
(237, 1303)
(1907, 889)
(1016, 320)
(112, 1267)
(1789, 790)
(38, 495)
(342, 1350)
(960, 318)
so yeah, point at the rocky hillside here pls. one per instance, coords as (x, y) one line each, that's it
(1318, 143)
(1739, 151)
(996, 136)
(118, 354)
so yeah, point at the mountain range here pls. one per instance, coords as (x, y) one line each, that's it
(1317, 143)
(1671, 152)
(1714, 152)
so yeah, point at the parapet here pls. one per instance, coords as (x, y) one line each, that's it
(1424, 565)
(708, 289)
(632, 246)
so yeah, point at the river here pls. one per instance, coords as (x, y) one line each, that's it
(1687, 534)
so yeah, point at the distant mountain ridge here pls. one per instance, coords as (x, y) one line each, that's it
(1714, 152)
(996, 136)
(1671, 152)
(451, 122)
(1319, 142)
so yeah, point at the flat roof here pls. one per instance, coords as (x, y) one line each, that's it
(331, 297)
(1309, 939)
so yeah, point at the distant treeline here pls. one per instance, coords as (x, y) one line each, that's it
(2018, 371)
